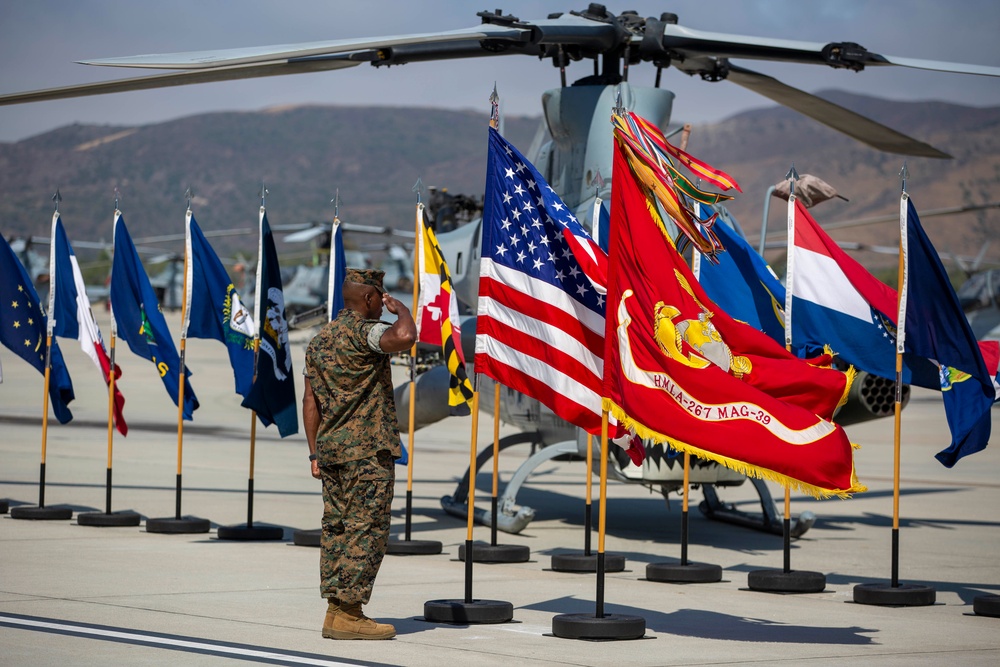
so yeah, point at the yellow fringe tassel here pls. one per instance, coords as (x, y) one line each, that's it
(734, 464)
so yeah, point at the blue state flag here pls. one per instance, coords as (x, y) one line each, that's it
(936, 328)
(138, 320)
(742, 284)
(273, 391)
(23, 327)
(214, 309)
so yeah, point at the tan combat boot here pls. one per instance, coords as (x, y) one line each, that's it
(332, 609)
(350, 623)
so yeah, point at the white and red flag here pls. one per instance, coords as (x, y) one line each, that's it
(70, 310)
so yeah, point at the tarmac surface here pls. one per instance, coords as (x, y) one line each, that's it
(83, 595)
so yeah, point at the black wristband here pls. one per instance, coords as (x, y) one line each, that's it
(312, 457)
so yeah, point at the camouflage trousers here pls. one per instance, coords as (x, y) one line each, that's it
(357, 498)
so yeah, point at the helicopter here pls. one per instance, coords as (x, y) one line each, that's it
(571, 148)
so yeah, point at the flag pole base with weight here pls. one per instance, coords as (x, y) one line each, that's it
(178, 525)
(255, 533)
(109, 519)
(902, 595)
(986, 605)
(609, 626)
(460, 612)
(585, 563)
(779, 581)
(413, 547)
(496, 553)
(684, 573)
(36, 513)
(307, 538)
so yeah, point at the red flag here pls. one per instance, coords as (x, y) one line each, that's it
(679, 370)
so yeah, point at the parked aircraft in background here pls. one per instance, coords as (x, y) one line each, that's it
(575, 146)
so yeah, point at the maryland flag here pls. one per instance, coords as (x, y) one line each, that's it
(679, 370)
(437, 322)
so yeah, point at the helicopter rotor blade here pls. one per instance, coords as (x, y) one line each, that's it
(681, 43)
(834, 116)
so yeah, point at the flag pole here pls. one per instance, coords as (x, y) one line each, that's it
(181, 524)
(41, 511)
(788, 580)
(470, 610)
(601, 625)
(587, 561)
(685, 571)
(493, 552)
(248, 531)
(910, 595)
(109, 518)
(409, 546)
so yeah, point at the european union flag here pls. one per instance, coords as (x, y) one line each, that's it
(23, 329)
(936, 328)
(214, 309)
(273, 391)
(138, 319)
(742, 284)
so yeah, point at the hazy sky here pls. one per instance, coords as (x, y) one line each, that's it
(41, 39)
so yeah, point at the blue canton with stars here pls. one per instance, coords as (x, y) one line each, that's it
(524, 221)
(23, 329)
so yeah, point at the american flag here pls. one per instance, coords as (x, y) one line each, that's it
(540, 325)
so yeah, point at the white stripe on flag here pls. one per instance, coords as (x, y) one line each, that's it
(819, 279)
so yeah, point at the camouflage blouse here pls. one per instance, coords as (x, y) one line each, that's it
(353, 386)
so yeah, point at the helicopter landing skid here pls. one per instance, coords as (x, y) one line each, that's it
(510, 518)
(769, 521)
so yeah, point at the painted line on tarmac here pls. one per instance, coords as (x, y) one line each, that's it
(172, 642)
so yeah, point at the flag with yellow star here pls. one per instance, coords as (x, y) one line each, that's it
(22, 329)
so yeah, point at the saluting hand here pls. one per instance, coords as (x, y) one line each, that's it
(392, 304)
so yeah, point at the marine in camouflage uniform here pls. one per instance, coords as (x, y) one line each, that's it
(350, 417)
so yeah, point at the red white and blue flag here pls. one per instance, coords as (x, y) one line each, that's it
(72, 315)
(540, 324)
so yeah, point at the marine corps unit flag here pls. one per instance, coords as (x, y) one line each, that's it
(136, 318)
(23, 329)
(437, 319)
(213, 307)
(72, 314)
(678, 370)
(273, 393)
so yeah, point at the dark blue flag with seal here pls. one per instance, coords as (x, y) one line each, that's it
(138, 321)
(214, 309)
(273, 391)
(23, 329)
(936, 328)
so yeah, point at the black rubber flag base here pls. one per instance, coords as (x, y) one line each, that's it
(793, 581)
(588, 626)
(105, 519)
(4, 506)
(584, 563)
(904, 595)
(185, 524)
(255, 533)
(460, 612)
(690, 573)
(413, 547)
(307, 538)
(987, 605)
(496, 553)
(35, 513)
